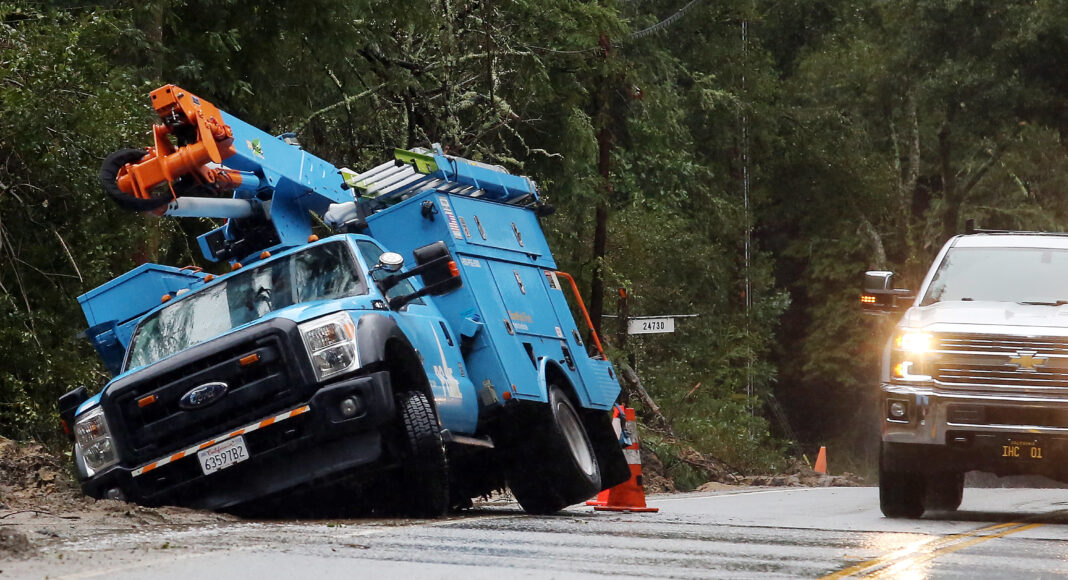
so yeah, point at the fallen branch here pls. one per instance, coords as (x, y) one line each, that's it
(630, 378)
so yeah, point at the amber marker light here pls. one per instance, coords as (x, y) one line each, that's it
(507, 395)
(867, 299)
(165, 298)
(146, 401)
(453, 270)
(264, 255)
(250, 359)
(313, 238)
(209, 278)
(235, 266)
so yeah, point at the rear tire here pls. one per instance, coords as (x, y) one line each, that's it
(555, 465)
(424, 471)
(944, 491)
(901, 495)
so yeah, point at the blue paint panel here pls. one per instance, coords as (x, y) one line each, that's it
(502, 227)
(524, 296)
(135, 292)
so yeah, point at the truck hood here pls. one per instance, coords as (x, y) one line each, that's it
(989, 317)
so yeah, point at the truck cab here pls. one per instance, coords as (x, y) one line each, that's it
(975, 375)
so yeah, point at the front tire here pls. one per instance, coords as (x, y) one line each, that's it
(425, 471)
(901, 494)
(555, 466)
(944, 491)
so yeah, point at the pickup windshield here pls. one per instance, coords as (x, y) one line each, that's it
(321, 272)
(1026, 275)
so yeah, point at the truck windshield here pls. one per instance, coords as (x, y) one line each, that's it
(319, 272)
(1025, 275)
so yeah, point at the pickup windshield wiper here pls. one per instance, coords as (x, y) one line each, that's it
(1043, 303)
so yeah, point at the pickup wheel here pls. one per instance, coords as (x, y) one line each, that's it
(556, 465)
(944, 491)
(901, 495)
(424, 473)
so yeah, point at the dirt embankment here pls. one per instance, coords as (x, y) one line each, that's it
(40, 503)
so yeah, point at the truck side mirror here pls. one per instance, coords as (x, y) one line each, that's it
(441, 274)
(880, 296)
(435, 267)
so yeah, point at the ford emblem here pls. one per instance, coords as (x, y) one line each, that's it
(202, 396)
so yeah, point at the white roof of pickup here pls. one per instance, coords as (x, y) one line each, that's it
(1036, 240)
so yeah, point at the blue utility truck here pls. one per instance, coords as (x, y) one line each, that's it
(420, 353)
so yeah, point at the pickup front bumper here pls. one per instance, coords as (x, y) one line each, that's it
(956, 431)
(309, 442)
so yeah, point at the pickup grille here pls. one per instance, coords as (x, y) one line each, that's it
(272, 383)
(1000, 363)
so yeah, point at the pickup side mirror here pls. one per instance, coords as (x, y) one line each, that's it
(435, 267)
(880, 296)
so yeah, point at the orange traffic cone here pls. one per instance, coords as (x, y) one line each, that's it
(601, 499)
(629, 496)
(821, 461)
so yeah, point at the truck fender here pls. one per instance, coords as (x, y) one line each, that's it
(381, 343)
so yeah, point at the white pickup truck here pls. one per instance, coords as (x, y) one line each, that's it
(975, 375)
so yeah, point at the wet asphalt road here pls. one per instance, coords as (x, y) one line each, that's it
(747, 533)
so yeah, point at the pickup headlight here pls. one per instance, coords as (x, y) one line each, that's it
(331, 344)
(910, 355)
(94, 439)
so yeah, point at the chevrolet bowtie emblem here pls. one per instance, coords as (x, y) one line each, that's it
(1027, 361)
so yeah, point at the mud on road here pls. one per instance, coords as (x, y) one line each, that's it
(42, 505)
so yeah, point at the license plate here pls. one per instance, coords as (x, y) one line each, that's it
(223, 455)
(1022, 450)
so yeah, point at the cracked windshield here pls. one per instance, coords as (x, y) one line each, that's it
(321, 272)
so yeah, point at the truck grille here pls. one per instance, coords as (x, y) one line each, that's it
(999, 363)
(269, 384)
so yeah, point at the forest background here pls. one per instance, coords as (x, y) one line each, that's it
(742, 160)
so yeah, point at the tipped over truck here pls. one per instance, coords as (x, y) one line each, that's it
(423, 351)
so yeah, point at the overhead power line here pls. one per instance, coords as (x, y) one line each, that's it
(665, 22)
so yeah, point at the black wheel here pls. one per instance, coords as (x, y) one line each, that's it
(901, 494)
(424, 471)
(944, 491)
(555, 466)
(109, 173)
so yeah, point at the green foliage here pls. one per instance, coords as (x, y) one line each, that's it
(63, 107)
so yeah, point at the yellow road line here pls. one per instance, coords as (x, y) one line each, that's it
(899, 567)
(929, 550)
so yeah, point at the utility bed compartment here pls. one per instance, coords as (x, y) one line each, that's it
(112, 309)
(511, 312)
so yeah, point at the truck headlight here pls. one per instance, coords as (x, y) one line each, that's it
(331, 344)
(910, 355)
(94, 440)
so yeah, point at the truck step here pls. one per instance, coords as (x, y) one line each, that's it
(450, 437)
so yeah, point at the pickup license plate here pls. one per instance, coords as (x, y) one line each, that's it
(223, 455)
(1022, 450)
